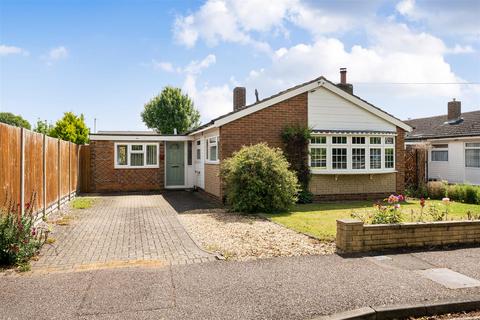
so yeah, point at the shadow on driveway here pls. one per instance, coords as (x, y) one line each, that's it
(183, 201)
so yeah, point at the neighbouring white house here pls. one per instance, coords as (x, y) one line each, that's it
(452, 142)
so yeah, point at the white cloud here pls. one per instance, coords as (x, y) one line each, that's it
(406, 7)
(195, 67)
(55, 54)
(58, 53)
(162, 65)
(458, 49)
(383, 72)
(11, 50)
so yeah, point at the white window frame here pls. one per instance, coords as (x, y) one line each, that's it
(435, 147)
(467, 147)
(317, 145)
(350, 146)
(208, 144)
(130, 151)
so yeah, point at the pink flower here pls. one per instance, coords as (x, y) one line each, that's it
(401, 198)
(397, 206)
(446, 200)
(392, 199)
(34, 231)
(422, 202)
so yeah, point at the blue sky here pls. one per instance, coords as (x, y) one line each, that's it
(106, 59)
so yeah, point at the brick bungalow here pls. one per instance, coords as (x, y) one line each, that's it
(357, 150)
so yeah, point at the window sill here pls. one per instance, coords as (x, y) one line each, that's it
(139, 167)
(339, 172)
(212, 162)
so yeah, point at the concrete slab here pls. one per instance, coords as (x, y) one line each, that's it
(449, 278)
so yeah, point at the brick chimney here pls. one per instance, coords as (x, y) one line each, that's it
(239, 98)
(454, 110)
(343, 81)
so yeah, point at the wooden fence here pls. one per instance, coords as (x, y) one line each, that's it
(36, 167)
(415, 166)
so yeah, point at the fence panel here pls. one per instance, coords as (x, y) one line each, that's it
(85, 172)
(10, 163)
(64, 168)
(74, 166)
(52, 170)
(33, 174)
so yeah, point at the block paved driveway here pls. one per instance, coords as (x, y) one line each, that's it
(121, 230)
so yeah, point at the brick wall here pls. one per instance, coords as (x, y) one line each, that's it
(347, 186)
(212, 179)
(265, 125)
(354, 236)
(106, 178)
(400, 160)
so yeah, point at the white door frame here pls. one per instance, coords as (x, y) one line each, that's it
(200, 164)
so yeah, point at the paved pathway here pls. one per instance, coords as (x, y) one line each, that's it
(121, 230)
(280, 288)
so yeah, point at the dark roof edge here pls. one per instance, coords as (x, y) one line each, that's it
(441, 137)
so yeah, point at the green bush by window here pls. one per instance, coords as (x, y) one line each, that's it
(457, 192)
(258, 179)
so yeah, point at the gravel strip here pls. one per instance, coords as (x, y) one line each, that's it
(245, 237)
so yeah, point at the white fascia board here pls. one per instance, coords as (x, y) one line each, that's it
(268, 103)
(366, 106)
(202, 130)
(305, 88)
(139, 138)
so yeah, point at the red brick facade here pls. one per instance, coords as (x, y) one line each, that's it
(265, 125)
(105, 178)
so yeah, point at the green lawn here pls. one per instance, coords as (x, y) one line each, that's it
(319, 219)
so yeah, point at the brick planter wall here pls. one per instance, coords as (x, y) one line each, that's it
(354, 236)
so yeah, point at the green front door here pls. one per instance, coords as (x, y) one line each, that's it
(175, 165)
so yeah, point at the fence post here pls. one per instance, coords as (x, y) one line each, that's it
(22, 171)
(59, 175)
(44, 150)
(69, 170)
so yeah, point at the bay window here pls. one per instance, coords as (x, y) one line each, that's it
(136, 155)
(472, 155)
(332, 153)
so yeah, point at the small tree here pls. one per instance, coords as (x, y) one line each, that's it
(71, 128)
(170, 110)
(43, 127)
(14, 120)
(296, 139)
(257, 179)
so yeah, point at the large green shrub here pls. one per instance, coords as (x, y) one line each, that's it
(437, 189)
(258, 179)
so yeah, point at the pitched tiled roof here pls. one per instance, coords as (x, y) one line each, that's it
(278, 94)
(438, 127)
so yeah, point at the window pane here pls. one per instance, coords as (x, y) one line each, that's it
(152, 154)
(318, 158)
(389, 140)
(438, 155)
(213, 140)
(375, 140)
(318, 140)
(339, 140)
(375, 158)
(472, 145)
(358, 140)
(472, 158)
(198, 154)
(358, 158)
(339, 158)
(136, 147)
(389, 161)
(136, 159)
(213, 153)
(122, 155)
(189, 153)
